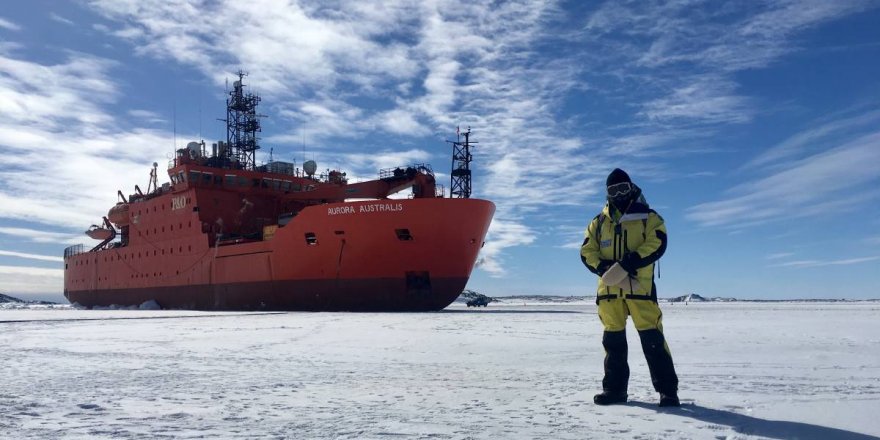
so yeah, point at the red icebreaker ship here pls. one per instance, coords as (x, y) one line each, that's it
(226, 234)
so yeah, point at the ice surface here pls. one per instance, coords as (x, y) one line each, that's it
(747, 371)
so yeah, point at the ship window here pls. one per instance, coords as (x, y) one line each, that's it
(242, 181)
(172, 227)
(173, 179)
(256, 183)
(218, 180)
(180, 176)
(276, 184)
(418, 283)
(265, 184)
(311, 239)
(285, 185)
(194, 176)
(403, 234)
(296, 187)
(206, 178)
(230, 180)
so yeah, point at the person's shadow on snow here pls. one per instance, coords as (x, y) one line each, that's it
(749, 425)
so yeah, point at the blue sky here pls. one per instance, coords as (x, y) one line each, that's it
(753, 127)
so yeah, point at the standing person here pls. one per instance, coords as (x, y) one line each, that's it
(621, 246)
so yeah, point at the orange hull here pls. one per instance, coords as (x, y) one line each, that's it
(411, 254)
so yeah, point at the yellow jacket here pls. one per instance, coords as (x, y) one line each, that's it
(636, 239)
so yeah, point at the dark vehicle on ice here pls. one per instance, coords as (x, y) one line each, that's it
(475, 299)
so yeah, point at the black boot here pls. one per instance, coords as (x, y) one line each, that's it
(616, 379)
(669, 400)
(660, 365)
(608, 399)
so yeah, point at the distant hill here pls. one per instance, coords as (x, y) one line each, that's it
(4, 299)
(545, 298)
(9, 299)
(693, 297)
(470, 294)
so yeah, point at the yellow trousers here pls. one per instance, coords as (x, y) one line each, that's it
(645, 313)
(647, 319)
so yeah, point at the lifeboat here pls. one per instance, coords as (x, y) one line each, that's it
(98, 233)
(118, 215)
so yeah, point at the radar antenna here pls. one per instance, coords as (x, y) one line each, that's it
(460, 184)
(242, 125)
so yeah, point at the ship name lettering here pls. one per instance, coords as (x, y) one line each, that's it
(362, 209)
(178, 203)
(382, 207)
(336, 210)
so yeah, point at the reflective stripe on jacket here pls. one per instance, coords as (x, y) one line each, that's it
(640, 230)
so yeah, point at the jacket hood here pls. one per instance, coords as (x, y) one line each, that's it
(638, 205)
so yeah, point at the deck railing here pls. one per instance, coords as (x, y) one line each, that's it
(74, 250)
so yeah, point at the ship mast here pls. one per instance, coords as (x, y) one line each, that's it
(460, 184)
(242, 126)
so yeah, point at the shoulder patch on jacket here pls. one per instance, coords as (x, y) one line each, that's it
(634, 216)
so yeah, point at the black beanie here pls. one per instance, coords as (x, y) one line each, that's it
(617, 176)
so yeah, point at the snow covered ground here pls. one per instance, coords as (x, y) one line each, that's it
(747, 370)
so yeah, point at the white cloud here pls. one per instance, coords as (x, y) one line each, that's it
(814, 138)
(730, 38)
(43, 236)
(8, 25)
(502, 234)
(824, 184)
(22, 279)
(815, 263)
(147, 116)
(55, 17)
(677, 62)
(707, 99)
(65, 156)
(779, 255)
(30, 256)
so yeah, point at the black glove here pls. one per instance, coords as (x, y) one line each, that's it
(631, 262)
(603, 266)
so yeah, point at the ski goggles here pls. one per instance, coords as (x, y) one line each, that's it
(620, 189)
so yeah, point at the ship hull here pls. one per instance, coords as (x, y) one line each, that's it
(362, 295)
(388, 255)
